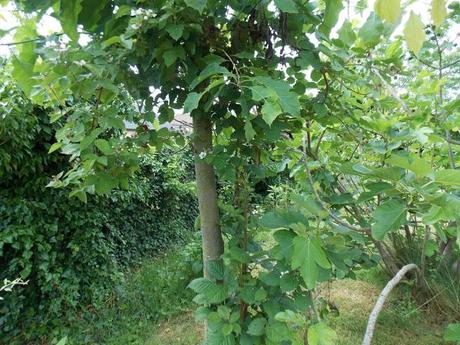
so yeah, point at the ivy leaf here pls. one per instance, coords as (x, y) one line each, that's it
(69, 17)
(198, 5)
(287, 6)
(321, 334)
(414, 33)
(388, 9)
(192, 101)
(388, 216)
(257, 326)
(448, 177)
(438, 11)
(270, 110)
(175, 31)
(331, 15)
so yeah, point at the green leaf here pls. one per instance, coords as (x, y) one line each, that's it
(304, 258)
(175, 31)
(413, 163)
(54, 147)
(257, 326)
(227, 329)
(346, 34)
(388, 9)
(438, 11)
(414, 33)
(192, 101)
(270, 110)
(448, 177)
(452, 333)
(331, 15)
(104, 146)
(371, 31)
(288, 100)
(209, 292)
(321, 334)
(209, 71)
(387, 217)
(198, 5)
(63, 341)
(249, 131)
(69, 10)
(170, 56)
(287, 6)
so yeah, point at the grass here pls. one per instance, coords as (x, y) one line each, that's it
(400, 323)
(153, 308)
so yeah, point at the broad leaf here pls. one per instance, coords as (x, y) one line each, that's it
(69, 17)
(192, 101)
(387, 217)
(257, 326)
(331, 15)
(438, 11)
(321, 334)
(414, 33)
(287, 6)
(198, 5)
(388, 9)
(448, 177)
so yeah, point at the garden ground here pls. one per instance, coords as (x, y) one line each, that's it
(402, 322)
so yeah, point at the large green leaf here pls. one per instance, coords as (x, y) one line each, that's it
(371, 31)
(448, 177)
(191, 102)
(414, 33)
(198, 5)
(331, 15)
(69, 11)
(257, 326)
(287, 6)
(438, 11)
(321, 334)
(388, 9)
(306, 256)
(387, 217)
(270, 110)
(288, 100)
(413, 163)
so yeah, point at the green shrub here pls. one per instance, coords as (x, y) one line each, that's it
(72, 253)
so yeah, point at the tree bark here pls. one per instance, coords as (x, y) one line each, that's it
(213, 244)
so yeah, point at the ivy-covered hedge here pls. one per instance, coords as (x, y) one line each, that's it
(71, 253)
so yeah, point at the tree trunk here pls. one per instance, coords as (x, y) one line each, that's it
(213, 244)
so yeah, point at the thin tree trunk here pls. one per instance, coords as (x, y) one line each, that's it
(381, 300)
(213, 244)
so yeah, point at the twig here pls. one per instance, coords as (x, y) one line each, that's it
(381, 300)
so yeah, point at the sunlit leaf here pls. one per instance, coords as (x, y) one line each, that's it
(414, 33)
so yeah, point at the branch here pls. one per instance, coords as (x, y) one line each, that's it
(322, 203)
(381, 300)
(38, 39)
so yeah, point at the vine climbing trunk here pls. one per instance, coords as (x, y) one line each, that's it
(213, 244)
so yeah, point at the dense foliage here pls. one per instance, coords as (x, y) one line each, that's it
(70, 252)
(361, 121)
